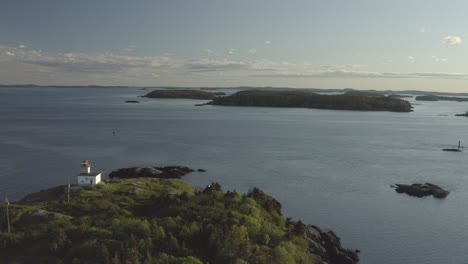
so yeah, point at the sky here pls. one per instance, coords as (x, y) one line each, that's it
(361, 44)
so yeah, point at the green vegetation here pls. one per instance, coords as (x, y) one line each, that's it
(352, 101)
(440, 98)
(148, 220)
(365, 93)
(182, 94)
(399, 96)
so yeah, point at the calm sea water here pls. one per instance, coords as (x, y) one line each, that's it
(329, 168)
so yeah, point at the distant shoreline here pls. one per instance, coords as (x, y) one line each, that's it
(413, 92)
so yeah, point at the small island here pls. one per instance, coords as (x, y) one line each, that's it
(147, 220)
(181, 94)
(464, 114)
(304, 99)
(421, 190)
(431, 97)
(132, 101)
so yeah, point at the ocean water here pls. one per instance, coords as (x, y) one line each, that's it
(329, 168)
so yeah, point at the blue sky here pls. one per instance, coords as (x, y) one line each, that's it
(300, 43)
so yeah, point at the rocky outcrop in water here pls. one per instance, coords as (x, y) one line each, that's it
(421, 190)
(167, 172)
(452, 149)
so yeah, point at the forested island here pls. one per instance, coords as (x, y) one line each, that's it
(440, 98)
(147, 220)
(351, 101)
(399, 96)
(181, 94)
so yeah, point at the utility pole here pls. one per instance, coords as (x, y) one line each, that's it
(7, 213)
(68, 189)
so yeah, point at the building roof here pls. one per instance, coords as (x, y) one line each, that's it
(90, 174)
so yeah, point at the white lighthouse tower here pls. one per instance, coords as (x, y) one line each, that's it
(87, 177)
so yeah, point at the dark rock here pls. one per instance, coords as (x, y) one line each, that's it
(151, 172)
(132, 101)
(201, 170)
(421, 190)
(452, 150)
(465, 115)
(327, 245)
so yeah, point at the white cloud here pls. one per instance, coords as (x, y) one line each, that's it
(130, 48)
(452, 40)
(252, 51)
(104, 63)
(411, 58)
(422, 30)
(437, 59)
(231, 51)
(267, 42)
(23, 61)
(217, 53)
(385, 60)
(207, 65)
(22, 46)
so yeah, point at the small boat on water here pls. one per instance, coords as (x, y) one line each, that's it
(454, 149)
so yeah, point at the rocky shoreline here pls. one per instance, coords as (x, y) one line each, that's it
(328, 245)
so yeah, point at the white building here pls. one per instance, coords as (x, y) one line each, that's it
(87, 177)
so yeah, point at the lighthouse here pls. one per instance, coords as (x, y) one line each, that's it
(86, 177)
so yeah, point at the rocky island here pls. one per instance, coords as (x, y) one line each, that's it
(147, 220)
(181, 94)
(303, 99)
(421, 190)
